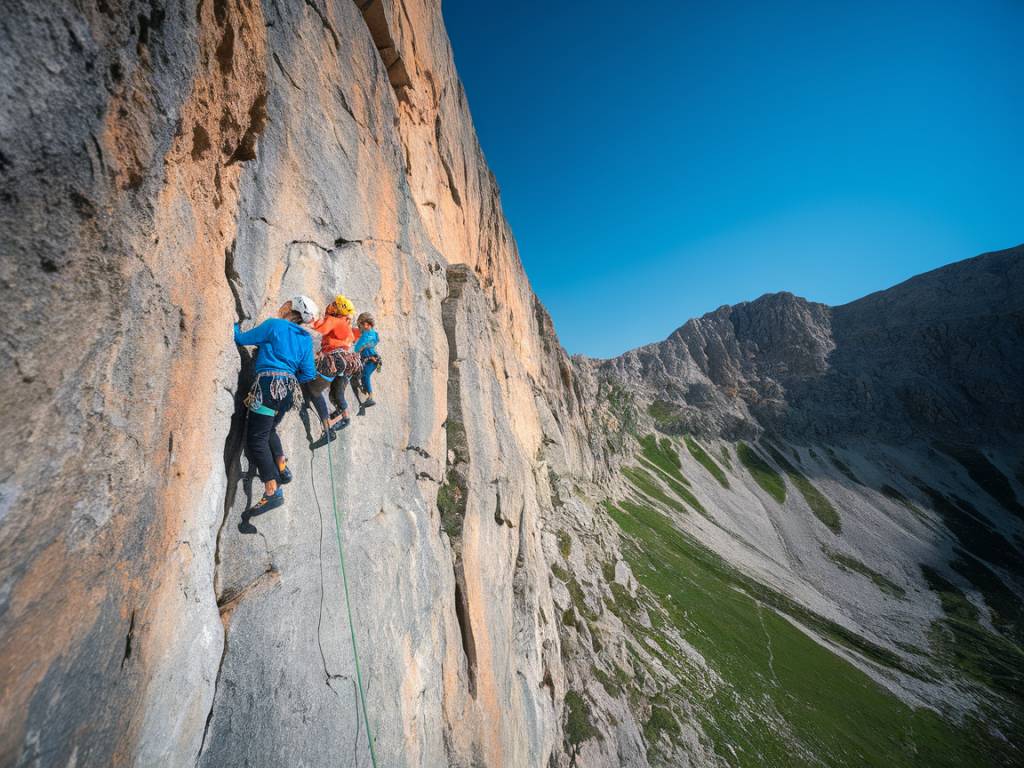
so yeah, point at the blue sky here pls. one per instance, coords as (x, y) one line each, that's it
(658, 160)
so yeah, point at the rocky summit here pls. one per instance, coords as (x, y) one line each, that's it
(936, 357)
(789, 534)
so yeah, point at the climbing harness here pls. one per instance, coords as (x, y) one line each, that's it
(338, 362)
(280, 384)
(353, 363)
(376, 360)
(348, 604)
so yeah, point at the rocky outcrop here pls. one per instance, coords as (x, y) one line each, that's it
(169, 170)
(937, 356)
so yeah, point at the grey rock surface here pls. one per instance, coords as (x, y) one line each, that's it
(167, 170)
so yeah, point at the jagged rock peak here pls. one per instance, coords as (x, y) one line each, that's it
(937, 355)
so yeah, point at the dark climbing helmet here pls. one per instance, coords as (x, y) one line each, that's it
(365, 317)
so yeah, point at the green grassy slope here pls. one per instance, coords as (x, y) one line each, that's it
(820, 506)
(704, 458)
(782, 699)
(762, 472)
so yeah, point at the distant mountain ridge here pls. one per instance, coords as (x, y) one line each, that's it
(856, 470)
(940, 355)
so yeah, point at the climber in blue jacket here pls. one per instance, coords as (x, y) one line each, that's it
(366, 346)
(284, 360)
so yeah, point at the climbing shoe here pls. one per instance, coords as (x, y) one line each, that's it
(368, 402)
(341, 424)
(284, 476)
(267, 503)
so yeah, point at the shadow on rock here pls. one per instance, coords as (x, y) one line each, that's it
(246, 526)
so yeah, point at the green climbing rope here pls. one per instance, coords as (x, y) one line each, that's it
(348, 604)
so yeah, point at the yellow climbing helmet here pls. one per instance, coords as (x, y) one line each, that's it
(345, 307)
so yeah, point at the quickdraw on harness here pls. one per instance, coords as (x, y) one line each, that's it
(357, 381)
(280, 385)
(339, 362)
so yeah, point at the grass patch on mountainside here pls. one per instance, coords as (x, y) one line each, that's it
(961, 641)
(564, 543)
(618, 396)
(1005, 607)
(726, 458)
(451, 503)
(974, 531)
(704, 459)
(579, 726)
(899, 497)
(853, 565)
(662, 453)
(843, 467)
(688, 497)
(579, 600)
(663, 411)
(986, 476)
(661, 722)
(762, 472)
(773, 695)
(615, 683)
(766, 595)
(644, 482)
(660, 473)
(820, 506)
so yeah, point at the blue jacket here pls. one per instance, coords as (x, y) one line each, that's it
(283, 346)
(367, 343)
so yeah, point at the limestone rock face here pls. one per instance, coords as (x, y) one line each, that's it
(171, 169)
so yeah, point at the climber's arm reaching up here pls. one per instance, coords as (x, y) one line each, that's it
(253, 336)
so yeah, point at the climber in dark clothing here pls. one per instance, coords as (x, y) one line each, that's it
(284, 360)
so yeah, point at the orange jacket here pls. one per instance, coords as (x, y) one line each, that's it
(336, 332)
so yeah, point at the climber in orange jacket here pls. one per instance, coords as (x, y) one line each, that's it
(335, 362)
(335, 327)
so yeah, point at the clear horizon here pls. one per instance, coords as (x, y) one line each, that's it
(655, 167)
(770, 293)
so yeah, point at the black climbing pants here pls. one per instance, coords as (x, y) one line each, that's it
(315, 393)
(261, 439)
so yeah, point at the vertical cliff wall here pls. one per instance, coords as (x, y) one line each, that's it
(167, 170)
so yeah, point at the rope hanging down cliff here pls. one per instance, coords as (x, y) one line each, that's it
(284, 361)
(348, 603)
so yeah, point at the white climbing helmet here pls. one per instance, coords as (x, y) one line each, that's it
(305, 307)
